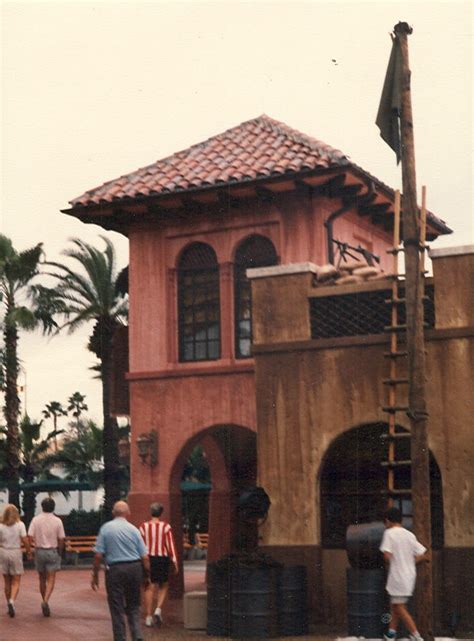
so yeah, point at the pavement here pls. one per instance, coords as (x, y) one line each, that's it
(80, 614)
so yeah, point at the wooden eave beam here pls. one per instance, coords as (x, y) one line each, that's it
(265, 194)
(227, 199)
(371, 210)
(305, 188)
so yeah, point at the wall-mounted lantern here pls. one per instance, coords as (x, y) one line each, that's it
(147, 444)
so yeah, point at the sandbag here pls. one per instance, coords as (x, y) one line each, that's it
(326, 272)
(365, 272)
(348, 280)
(350, 265)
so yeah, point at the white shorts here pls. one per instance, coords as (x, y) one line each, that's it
(11, 561)
(399, 599)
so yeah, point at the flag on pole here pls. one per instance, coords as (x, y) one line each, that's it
(388, 115)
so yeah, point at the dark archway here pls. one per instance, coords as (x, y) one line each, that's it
(231, 454)
(353, 484)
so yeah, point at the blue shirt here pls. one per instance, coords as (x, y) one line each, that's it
(120, 541)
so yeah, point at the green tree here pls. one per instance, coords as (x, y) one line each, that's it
(89, 291)
(24, 308)
(77, 405)
(54, 410)
(35, 462)
(196, 468)
(81, 454)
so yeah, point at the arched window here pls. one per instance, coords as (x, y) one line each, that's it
(354, 484)
(256, 251)
(198, 304)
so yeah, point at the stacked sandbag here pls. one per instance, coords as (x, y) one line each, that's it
(350, 272)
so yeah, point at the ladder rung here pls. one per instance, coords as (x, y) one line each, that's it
(395, 328)
(395, 301)
(391, 409)
(396, 250)
(395, 492)
(395, 463)
(395, 354)
(397, 435)
(395, 381)
(401, 301)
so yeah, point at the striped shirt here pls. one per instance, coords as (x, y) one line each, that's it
(158, 539)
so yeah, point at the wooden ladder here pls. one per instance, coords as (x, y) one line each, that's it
(398, 379)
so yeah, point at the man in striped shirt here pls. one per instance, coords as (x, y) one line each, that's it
(158, 539)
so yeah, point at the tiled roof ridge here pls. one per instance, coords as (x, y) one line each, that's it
(293, 134)
(276, 126)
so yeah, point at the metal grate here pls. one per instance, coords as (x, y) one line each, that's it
(360, 314)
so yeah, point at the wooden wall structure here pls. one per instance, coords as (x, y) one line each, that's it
(310, 392)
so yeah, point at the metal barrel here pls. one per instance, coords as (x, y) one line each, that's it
(218, 599)
(362, 544)
(254, 602)
(366, 603)
(293, 601)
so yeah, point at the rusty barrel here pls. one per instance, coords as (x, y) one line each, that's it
(254, 602)
(293, 601)
(218, 599)
(363, 543)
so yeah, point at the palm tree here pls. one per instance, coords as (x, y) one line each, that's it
(17, 271)
(81, 455)
(77, 405)
(53, 410)
(90, 292)
(35, 462)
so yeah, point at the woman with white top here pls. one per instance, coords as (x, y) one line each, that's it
(12, 535)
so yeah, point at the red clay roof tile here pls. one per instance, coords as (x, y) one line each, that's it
(258, 147)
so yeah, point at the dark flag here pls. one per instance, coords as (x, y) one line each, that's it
(388, 115)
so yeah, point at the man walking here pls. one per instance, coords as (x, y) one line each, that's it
(401, 550)
(158, 538)
(121, 546)
(46, 532)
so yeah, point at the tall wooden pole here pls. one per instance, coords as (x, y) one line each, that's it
(414, 287)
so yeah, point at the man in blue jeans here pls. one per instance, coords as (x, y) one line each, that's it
(121, 546)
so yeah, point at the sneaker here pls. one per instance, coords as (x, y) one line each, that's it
(45, 609)
(149, 622)
(390, 636)
(416, 637)
(157, 616)
(11, 610)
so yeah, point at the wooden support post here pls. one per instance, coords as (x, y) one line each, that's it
(415, 345)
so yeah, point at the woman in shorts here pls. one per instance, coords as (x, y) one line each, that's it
(12, 535)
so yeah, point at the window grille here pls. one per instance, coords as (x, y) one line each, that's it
(198, 304)
(360, 314)
(256, 251)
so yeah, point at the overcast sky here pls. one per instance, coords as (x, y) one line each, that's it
(92, 90)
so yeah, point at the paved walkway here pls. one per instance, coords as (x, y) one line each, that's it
(79, 614)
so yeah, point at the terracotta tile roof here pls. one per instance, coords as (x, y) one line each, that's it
(258, 148)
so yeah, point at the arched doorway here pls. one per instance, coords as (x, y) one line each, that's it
(230, 453)
(353, 484)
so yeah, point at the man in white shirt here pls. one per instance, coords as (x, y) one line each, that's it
(401, 550)
(47, 533)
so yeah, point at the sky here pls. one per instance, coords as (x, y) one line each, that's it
(93, 90)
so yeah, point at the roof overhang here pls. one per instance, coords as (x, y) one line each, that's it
(349, 183)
